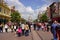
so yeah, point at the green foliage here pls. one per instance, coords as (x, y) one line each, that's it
(23, 20)
(15, 17)
(44, 18)
(35, 20)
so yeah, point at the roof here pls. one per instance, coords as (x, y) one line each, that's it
(52, 4)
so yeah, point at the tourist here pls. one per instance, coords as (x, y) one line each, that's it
(19, 31)
(34, 26)
(38, 26)
(53, 30)
(29, 24)
(47, 26)
(1, 28)
(22, 25)
(15, 27)
(12, 27)
(6, 27)
(58, 31)
(42, 26)
(26, 29)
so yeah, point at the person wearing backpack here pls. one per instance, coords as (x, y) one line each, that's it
(19, 31)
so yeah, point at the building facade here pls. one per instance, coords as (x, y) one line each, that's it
(48, 12)
(4, 12)
(13, 9)
(53, 11)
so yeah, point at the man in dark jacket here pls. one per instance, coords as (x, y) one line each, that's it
(53, 30)
(34, 26)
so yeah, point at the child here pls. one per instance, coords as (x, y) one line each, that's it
(19, 31)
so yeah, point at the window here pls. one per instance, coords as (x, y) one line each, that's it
(0, 9)
(55, 15)
(4, 10)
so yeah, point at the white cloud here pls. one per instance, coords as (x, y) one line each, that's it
(30, 10)
(16, 3)
(26, 11)
(43, 8)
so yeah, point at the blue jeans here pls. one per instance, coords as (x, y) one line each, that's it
(27, 33)
(55, 37)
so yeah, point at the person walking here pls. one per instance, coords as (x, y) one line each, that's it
(26, 29)
(34, 26)
(19, 31)
(58, 31)
(29, 24)
(15, 27)
(12, 27)
(53, 30)
(6, 28)
(1, 28)
(38, 26)
(42, 27)
(22, 26)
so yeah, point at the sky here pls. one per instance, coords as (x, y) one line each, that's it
(29, 7)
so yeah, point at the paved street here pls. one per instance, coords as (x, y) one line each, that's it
(45, 35)
(34, 35)
(12, 36)
(29, 14)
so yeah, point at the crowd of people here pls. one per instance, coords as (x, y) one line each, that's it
(53, 27)
(19, 29)
(44, 26)
(25, 28)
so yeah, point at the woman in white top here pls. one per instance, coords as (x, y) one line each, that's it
(22, 25)
(6, 27)
(14, 27)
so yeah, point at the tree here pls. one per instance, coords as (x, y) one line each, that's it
(23, 20)
(15, 17)
(36, 20)
(44, 18)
